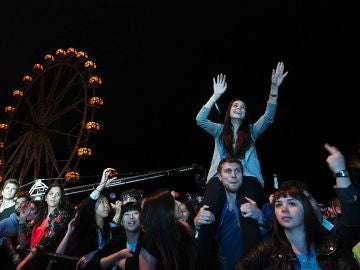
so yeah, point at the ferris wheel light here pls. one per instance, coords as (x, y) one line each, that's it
(38, 67)
(17, 93)
(84, 152)
(3, 126)
(95, 81)
(72, 176)
(90, 65)
(71, 51)
(92, 126)
(27, 79)
(60, 52)
(9, 109)
(96, 102)
(49, 58)
(82, 55)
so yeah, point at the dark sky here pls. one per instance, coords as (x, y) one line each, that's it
(157, 60)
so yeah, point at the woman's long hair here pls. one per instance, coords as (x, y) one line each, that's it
(159, 223)
(243, 141)
(63, 204)
(313, 230)
(85, 225)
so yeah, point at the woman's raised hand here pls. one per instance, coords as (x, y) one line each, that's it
(278, 75)
(220, 84)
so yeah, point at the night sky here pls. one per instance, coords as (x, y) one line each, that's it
(157, 60)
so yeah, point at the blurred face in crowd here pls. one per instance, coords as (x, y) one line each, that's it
(131, 220)
(9, 191)
(102, 207)
(185, 211)
(178, 212)
(19, 204)
(32, 211)
(128, 198)
(53, 197)
(289, 212)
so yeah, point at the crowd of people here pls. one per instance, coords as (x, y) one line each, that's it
(232, 226)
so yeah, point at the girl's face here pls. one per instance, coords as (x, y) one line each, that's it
(102, 207)
(238, 110)
(131, 220)
(289, 212)
(53, 197)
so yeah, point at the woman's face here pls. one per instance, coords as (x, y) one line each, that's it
(102, 207)
(289, 212)
(53, 197)
(238, 110)
(33, 211)
(185, 211)
(178, 212)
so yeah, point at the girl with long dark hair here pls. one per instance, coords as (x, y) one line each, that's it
(166, 243)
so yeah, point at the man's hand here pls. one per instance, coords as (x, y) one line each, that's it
(335, 160)
(251, 210)
(204, 216)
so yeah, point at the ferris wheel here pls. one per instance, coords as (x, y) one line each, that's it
(46, 128)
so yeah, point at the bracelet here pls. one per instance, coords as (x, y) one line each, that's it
(342, 173)
(273, 95)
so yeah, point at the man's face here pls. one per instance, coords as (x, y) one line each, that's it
(19, 204)
(9, 191)
(231, 177)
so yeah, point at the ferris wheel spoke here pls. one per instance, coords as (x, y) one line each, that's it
(50, 155)
(58, 115)
(57, 99)
(17, 154)
(32, 112)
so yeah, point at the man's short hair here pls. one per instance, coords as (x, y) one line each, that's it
(11, 181)
(229, 160)
(133, 193)
(24, 194)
